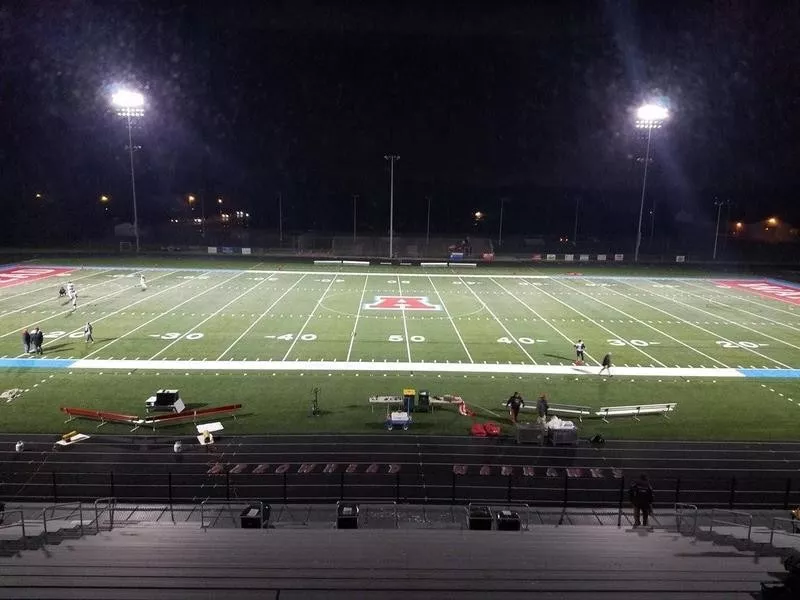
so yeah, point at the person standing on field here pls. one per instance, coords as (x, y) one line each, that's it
(142, 282)
(606, 365)
(515, 402)
(26, 340)
(37, 337)
(87, 332)
(580, 347)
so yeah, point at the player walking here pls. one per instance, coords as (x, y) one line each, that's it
(70, 289)
(580, 347)
(606, 365)
(142, 282)
(74, 300)
(87, 332)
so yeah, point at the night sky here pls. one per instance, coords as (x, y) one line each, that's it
(528, 101)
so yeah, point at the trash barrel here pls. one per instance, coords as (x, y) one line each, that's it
(508, 520)
(480, 518)
(251, 517)
(423, 401)
(347, 515)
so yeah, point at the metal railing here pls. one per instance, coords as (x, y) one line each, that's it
(795, 528)
(681, 508)
(110, 508)
(239, 504)
(52, 508)
(20, 523)
(735, 513)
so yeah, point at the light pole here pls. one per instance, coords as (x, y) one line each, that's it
(129, 105)
(718, 204)
(575, 230)
(355, 201)
(392, 158)
(649, 116)
(428, 227)
(500, 232)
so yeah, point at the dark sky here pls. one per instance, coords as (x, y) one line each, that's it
(529, 101)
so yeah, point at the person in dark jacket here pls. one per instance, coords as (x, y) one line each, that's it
(641, 496)
(26, 340)
(515, 402)
(543, 408)
(37, 339)
(606, 365)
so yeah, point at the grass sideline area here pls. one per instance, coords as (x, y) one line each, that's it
(489, 319)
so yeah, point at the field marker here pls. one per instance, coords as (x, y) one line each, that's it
(302, 329)
(405, 324)
(261, 316)
(358, 315)
(447, 312)
(49, 289)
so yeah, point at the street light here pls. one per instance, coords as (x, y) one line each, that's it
(648, 116)
(392, 158)
(130, 104)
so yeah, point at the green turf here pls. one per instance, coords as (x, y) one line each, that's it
(290, 312)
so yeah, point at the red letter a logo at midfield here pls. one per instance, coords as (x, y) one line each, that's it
(402, 303)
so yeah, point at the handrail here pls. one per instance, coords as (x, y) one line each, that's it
(227, 504)
(112, 506)
(773, 529)
(391, 503)
(679, 508)
(21, 521)
(53, 507)
(733, 523)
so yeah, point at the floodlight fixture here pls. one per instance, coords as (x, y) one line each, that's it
(128, 103)
(651, 116)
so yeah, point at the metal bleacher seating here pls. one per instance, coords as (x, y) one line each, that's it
(382, 560)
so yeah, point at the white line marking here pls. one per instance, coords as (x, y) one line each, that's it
(405, 323)
(447, 312)
(261, 316)
(49, 288)
(303, 328)
(358, 315)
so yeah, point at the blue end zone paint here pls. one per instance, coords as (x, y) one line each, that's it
(35, 363)
(783, 282)
(777, 373)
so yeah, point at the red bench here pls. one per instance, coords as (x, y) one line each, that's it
(103, 416)
(192, 415)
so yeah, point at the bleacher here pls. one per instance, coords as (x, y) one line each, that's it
(385, 559)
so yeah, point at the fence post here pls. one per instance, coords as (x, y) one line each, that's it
(169, 488)
(341, 485)
(55, 488)
(111, 482)
(786, 495)
(227, 485)
(284, 488)
(677, 490)
(397, 487)
(566, 489)
(453, 489)
(621, 500)
(733, 493)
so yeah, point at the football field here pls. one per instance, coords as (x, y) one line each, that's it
(436, 328)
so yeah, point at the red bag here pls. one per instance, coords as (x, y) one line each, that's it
(478, 430)
(492, 429)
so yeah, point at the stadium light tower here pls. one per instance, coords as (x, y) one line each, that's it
(130, 104)
(392, 158)
(648, 116)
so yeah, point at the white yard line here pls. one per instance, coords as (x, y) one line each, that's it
(718, 318)
(55, 298)
(308, 320)
(261, 316)
(545, 321)
(656, 329)
(358, 315)
(209, 317)
(405, 324)
(757, 315)
(166, 312)
(588, 318)
(453, 323)
(76, 330)
(499, 322)
(49, 288)
(700, 327)
(743, 295)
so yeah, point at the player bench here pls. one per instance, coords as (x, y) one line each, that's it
(635, 411)
(385, 400)
(192, 415)
(103, 416)
(571, 410)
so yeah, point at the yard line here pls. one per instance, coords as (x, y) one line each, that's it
(738, 298)
(261, 316)
(489, 310)
(453, 323)
(700, 327)
(588, 318)
(718, 318)
(358, 314)
(741, 295)
(547, 322)
(60, 313)
(169, 310)
(405, 324)
(211, 316)
(49, 300)
(50, 287)
(622, 312)
(308, 320)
